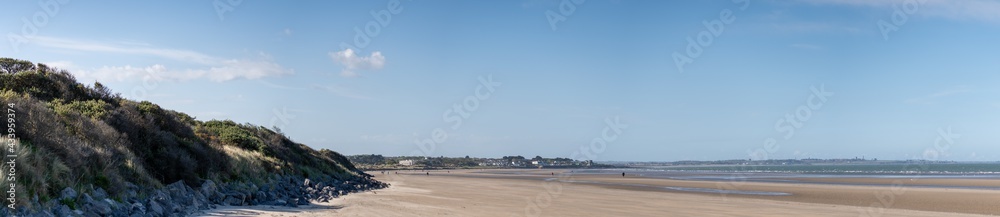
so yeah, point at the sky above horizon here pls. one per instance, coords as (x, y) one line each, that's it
(598, 79)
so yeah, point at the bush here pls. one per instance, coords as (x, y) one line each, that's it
(95, 109)
(11, 66)
(231, 133)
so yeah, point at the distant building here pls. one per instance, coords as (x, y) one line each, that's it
(406, 162)
(539, 163)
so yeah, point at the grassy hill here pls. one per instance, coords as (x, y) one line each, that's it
(85, 136)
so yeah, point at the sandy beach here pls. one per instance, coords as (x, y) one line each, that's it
(526, 193)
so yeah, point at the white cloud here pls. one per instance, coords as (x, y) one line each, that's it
(983, 10)
(124, 48)
(212, 68)
(287, 32)
(352, 62)
(120, 73)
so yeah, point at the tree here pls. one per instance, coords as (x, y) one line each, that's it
(11, 65)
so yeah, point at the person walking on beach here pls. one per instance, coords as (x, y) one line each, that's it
(428, 173)
(623, 174)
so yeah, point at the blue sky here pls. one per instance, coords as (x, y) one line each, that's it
(896, 83)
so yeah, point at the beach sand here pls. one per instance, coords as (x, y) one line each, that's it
(474, 193)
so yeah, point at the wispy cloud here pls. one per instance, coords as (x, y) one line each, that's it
(124, 48)
(933, 97)
(983, 10)
(212, 68)
(340, 91)
(352, 62)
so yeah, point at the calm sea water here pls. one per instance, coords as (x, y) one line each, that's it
(911, 169)
(791, 173)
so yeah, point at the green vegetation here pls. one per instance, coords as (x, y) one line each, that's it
(79, 136)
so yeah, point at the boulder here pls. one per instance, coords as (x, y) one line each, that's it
(99, 207)
(99, 193)
(67, 193)
(137, 208)
(154, 208)
(234, 199)
(63, 210)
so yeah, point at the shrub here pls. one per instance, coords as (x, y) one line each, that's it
(10, 65)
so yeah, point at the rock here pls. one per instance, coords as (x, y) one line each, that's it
(46, 213)
(137, 208)
(100, 194)
(233, 199)
(112, 203)
(210, 191)
(177, 190)
(102, 208)
(86, 199)
(159, 196)
(63, 211)
(67, 193)
(200, 200)
(306, 182)
(155, 209)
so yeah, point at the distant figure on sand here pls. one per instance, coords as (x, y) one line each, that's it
(553, 173)
(428, 173)
(623, 174)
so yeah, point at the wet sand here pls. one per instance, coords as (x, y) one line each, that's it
(917, 181)
(525, 193)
